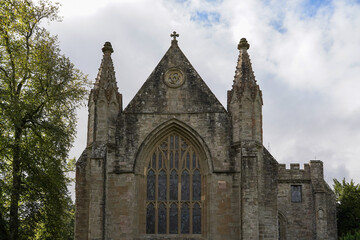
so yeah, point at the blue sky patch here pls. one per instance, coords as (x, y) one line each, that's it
(181, 1)
(278, 25)
(310, 7)
(214, 1)
(206, 18)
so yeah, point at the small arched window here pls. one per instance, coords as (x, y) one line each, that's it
(282, 224)
(173, 199)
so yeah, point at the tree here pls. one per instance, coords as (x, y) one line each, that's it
(348, 208)
(39, 92)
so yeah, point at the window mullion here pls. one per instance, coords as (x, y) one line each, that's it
(175, 145)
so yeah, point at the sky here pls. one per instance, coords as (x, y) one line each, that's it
(305, 55)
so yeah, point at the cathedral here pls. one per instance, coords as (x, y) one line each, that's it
(176, 164)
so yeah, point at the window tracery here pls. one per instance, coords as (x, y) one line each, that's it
(173, 199)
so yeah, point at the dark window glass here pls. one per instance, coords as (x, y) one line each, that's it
(196, 219)
(173, 218)
(296, 193)
(151, 185)
(160, 160)
(171, 160)
(171, 142)
(176, 159)
(162, 186)
(173, 185)
(150, 219)
(194, 160)
(185, 188)
(185, 219)
(196, 185)
(184, 147)
(176, 142)
(188, 160)
(162, 219)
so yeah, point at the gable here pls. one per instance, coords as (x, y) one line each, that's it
(174, 87)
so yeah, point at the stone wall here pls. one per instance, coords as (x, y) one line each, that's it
(245, 193)
(314, 216)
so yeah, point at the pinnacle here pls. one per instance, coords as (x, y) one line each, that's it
(106, 75)
(244, 72)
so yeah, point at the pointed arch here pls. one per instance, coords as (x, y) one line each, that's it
(282, 226)
(172, 165)
(184, 130)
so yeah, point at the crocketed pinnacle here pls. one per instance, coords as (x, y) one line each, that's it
(106, 75)
(243, 72)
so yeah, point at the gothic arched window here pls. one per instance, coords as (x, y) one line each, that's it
(281, 227)
(173, 199)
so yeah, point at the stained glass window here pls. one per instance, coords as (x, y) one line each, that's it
(162, 185)
(173, 199)
(196, 219)
(150, 219)
(173, 185)
(185, 189)
(173, 218)
(185, 219)
(162, 219)
(151, 185)
(196, 185)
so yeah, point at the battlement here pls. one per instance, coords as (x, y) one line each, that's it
(311, 171)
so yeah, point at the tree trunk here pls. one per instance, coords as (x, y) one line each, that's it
(16, 185)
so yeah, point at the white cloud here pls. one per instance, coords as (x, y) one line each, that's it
(306, 60)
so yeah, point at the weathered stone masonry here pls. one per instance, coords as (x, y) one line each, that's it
(243, 192)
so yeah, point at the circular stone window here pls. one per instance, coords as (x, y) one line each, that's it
(174, 78)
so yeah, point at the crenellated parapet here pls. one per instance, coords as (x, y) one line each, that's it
(294, 173)
(311, 172)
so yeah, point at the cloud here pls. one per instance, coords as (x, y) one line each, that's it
(304, 54)
(206, 18)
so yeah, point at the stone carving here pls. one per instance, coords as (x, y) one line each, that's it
(174, 78)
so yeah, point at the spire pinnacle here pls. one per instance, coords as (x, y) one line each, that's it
(106, 75)
(243, 72)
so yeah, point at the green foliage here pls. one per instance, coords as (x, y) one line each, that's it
(351, 236)
(39, 92)
(348, 208)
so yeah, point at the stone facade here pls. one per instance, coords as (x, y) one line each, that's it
(237, 190)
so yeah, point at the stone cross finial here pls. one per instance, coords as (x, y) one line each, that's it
(174, 35)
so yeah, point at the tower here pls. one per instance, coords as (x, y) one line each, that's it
(245, 111)
(105, 103)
